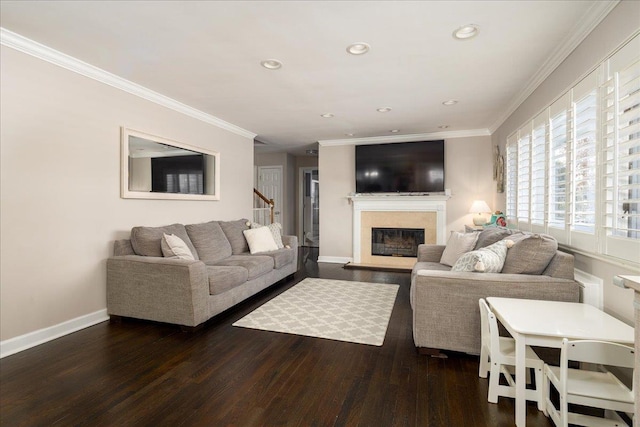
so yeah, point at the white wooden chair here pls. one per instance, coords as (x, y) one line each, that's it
(598, 389)
(498, 356)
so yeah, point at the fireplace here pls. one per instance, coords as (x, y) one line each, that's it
(426, 213)
(399, 242)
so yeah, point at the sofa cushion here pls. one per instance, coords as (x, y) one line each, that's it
(174, 247)
(276, 232)
(223, 278)
(209, 240)
(233, 230)
(281, 257)
(491, 235)
(458, 244)
(530, 254)
(260, 240)
(256, 265)
(146, 240)
(484, 260)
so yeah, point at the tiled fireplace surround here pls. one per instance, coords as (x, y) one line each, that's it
(427, 212)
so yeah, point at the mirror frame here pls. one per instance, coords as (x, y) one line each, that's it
(125, 193)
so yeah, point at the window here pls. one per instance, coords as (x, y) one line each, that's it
(524, 176)
(556, 216)
(574, 170)
(538, 170)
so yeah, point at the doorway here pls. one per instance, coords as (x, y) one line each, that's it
(309, 209)
(270, 184)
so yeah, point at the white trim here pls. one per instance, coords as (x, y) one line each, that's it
(41, 336)
(335, 259)
(632, 266)
(406, 138)
(598, 11)
(40, 51)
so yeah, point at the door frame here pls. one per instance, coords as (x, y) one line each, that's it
(300, 207)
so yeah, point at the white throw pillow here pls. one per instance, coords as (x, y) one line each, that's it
(174, 247)
(458, 244)
(276, 232)
(260, 240)
(489, 259)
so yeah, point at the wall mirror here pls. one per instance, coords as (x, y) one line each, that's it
(158, 168)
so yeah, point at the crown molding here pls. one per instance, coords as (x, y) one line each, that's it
(406, 138)
(40, 51)
(598, 11)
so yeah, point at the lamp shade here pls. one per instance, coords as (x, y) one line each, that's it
(479, 206)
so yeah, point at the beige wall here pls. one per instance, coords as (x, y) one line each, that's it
(617, 27)
(468, 173)
(60, 185)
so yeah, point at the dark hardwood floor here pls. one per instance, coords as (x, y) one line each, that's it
(138, 373)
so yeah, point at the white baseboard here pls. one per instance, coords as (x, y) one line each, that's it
(41, 336)
(335, 259)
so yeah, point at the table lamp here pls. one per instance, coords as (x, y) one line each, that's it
(479, 207)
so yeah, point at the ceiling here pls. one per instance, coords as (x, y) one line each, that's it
(207, 55)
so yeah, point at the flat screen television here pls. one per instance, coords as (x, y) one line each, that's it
(405, 167)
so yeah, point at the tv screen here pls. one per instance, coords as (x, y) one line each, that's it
(178, 174)
(406, 167)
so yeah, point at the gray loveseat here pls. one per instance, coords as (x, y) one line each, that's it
(143, 284)
(445, 303)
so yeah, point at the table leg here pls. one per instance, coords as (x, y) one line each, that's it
(521, 383)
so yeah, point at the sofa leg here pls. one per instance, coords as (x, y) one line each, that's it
(433, 352)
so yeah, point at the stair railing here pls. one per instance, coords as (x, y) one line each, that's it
(259, 213)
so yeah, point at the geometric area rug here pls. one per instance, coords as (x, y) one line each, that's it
(340, 310)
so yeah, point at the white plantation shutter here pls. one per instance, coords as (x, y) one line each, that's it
(538, 171)
(583, 161)
(524, 177)
(559, 168)
(512, 178)
(621, 153)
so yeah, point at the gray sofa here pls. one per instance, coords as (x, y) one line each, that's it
(445, 303)
(143, 284)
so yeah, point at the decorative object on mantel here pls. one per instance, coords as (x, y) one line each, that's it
(479, 207)
(498, 169)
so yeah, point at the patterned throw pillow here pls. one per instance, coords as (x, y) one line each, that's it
(484, 260)
(276, 231)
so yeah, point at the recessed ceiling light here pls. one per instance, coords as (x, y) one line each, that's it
(349, 134)
(394, 131)
(466, 32)
(383, 110)
(358, 48)
(450, 102)
(326, 115)
(271, 64)
(443, 127)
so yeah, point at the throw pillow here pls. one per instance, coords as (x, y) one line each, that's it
(276, 232)
(146, 240)
(174, 247)
(484, 260)
(260, 240)
(458, 244)
(531, 253)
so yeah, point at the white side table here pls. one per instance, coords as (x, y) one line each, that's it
(633, 282)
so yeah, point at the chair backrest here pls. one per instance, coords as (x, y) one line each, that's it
(488, 327)
(598, 352)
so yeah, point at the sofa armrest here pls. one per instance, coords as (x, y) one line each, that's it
(430, 253)
(445, 303)
(159, 289)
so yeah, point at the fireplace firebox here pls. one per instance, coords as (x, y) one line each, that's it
(396, 242)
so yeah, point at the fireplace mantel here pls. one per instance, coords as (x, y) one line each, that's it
(397, 203)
